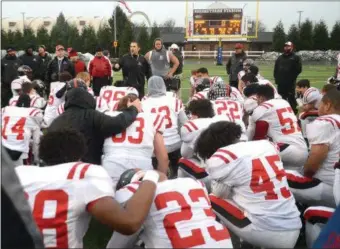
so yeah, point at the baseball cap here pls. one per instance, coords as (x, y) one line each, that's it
(288, 43)
(9, 49)
(58, 47)
(238, 46)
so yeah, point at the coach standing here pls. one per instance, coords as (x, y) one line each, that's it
(100, 71)
(235, 64)
(135, 69)
(287, 68)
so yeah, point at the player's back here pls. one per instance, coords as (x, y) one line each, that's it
(326, 130)
(137, 140)
(18, 124)
(255, 173)
(312, 96)
(235, 94)
(201, 95)
(36, 101)
(268, 83)
(113, 93)
(180, 217)
(60, 196)
(53, 102)
(169, 107)
(283, 124)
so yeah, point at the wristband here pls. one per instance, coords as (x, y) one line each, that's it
(152, 176)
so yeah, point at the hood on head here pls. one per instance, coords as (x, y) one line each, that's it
(78, 97)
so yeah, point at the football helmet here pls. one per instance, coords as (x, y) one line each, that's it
(39, 87)
(201, 84)
(219, 90)
(25, 70)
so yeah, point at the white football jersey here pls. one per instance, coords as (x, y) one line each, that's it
(113, 93)
(236, 95)
(181, 216)
(201, 95)
(19, 125)
(53, 102)
(326, 130)
(312, 96)
(137, 140)
(60, 197)
(241, 74)
(283, 124)
(169, 107)
(255, 175)
(36, 101)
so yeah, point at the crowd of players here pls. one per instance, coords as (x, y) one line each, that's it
(232, 159)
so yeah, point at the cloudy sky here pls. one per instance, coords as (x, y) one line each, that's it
(270, 11)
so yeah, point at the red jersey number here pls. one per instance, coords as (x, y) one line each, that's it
(231, 112)
(18, 128)
(288, 120)
(196, 238)
(259, 171)
(120, 138)
(110, 95)
(59, 220)
(164, 110)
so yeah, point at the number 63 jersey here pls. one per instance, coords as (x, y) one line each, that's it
(255, 179)
(180, 216)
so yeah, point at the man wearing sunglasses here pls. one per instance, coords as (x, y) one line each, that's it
(59, 64)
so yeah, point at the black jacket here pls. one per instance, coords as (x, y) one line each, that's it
(287, 69)
(235, 65)
(80, 114)
(52, 73)
(43, 62)
(9, 69)
(135, 69)
(179, 56)
(32, 61)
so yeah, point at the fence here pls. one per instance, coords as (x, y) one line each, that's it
(213, 54)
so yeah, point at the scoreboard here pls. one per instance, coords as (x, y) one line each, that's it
(217, 21)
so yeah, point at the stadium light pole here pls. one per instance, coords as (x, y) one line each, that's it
(300, 13)
(23, 21)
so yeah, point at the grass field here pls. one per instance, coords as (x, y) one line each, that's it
(98, 235)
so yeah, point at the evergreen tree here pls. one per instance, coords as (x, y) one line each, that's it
(4, 39)
(105, 37)
(18, 41)
(59, 32)
(320, 36)
(294, 36)
(43, 38)
(89, 39)
(29, 37)
(73, 38)
(335, 37)
(11, 38)
(126, 39)
(143, 39)
(306, 35)
(121, 20)
(279, 37)
(155, 33)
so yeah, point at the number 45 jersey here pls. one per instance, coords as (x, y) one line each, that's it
(180, 216)
(60, 197)
(282, 122)
(255, 180)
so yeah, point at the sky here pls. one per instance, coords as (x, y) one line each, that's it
(270, 12)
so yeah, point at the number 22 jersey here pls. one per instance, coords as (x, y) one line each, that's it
(180, 216)
(60, 197)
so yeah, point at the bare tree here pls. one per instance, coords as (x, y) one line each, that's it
(252, 26)
(169, 25)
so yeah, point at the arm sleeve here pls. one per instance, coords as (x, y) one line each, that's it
(261, 130)
(147, 69)
(71, 69)
(298, 65)
(186, 150)
(108, 66)
(182, 118)
(48, 72)
(276, 68)
(109, 126)
(228, 66)
(61, 92)
(90, 67)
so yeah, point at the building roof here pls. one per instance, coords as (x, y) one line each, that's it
(262, 37)
(217, 5)
(173, 37)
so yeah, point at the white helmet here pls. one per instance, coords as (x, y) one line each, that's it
(174, 46)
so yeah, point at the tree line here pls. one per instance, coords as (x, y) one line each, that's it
(308, 36)
(87, 39)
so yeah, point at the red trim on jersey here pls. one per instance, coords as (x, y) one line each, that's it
(226, 160)
(317, 213)
(83, 171)
(31, 113)
(90, 205)
(130, 188)
(236, 212)
(73, 170)
(176, 108)
(309, 91)
(232, 155)
(261, 130)
(266, 105)
(191, 165)
(199, 95)
(310, 113)
(160, 124)
(299, 179)
(331, 120)
(190, 126)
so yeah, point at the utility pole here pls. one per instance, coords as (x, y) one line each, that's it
(300, 12)
(115, 29)
(23, 22)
